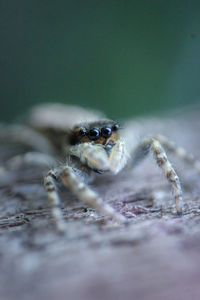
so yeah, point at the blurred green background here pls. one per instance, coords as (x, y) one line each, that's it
(122, 57)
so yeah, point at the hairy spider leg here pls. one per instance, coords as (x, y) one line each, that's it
(54, 200)
(31, 158)
(161, 158)
(88, 196)
(25, 136)
(179, 152)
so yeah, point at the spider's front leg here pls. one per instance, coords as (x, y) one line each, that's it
(180, 152)
(88, 196)
(54, 200)
(161, 158)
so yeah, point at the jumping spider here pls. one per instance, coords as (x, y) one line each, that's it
(95, 145)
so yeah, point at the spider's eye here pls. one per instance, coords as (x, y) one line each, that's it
(115, 127)
(81, 132)
(93, 134)
(106, 132)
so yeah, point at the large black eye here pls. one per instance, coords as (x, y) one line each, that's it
(93, 134)
(82, 132)
(106, 132)
(115, 127)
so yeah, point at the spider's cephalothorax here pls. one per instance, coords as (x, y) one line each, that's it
(102, 132)
(98, 145)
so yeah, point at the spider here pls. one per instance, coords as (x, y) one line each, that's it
(91, 144)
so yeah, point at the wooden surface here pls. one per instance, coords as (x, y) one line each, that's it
(156, 257)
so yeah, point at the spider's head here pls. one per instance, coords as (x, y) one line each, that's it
(102, 132)
(98, 145)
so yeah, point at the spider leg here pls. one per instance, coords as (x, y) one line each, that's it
(85, 194)
(161, 158)
(30, 158)
(25, 136)
(179, 152)
(54, 200)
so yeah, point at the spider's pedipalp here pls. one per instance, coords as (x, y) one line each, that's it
(118, 156)
(93, 155)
